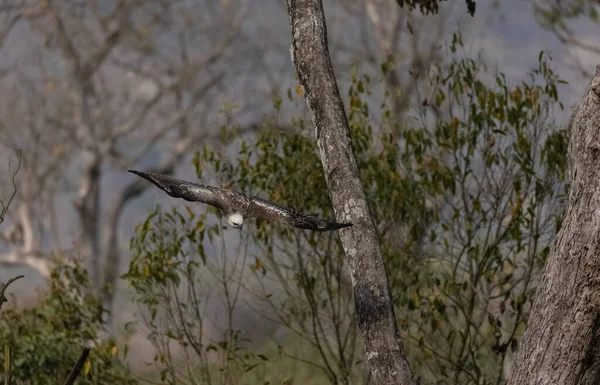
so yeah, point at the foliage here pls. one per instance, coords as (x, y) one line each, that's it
(485, 192)
(432, 6)
(47, 340)
(553, 14)
(467, 193)
(168, 256)
(566, 19)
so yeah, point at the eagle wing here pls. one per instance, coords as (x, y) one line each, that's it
(263, 209)
(228, 201)
(191, 192)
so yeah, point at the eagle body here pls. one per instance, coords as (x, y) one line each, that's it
(238, 206)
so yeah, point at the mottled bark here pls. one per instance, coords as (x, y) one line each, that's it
(562, 342)
(374, 308)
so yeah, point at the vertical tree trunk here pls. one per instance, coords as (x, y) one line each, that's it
(88, 205)
(374, 308)
(112, 254)
(562, 342)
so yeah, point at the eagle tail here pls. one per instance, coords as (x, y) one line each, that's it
(313, 223)
(330, 226)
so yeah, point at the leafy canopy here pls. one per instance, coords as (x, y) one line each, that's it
(467, 192)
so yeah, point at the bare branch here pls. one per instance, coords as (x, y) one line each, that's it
(11, 24)
(65, 42)
(14, 184)
(3, 288)
(78, 367)
(33, 260)
(176, 119)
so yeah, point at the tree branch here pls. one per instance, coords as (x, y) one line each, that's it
(3, 288)
(11, 24)
(14, 185)
(28, 259)
(78, 366)
(177, 118)
(376, 318)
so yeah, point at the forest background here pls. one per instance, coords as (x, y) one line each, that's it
(459, 125)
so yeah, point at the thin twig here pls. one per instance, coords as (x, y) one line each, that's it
(3, 288)
(78, 366)
(12, 178)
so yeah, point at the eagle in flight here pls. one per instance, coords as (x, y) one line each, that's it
(238, 206)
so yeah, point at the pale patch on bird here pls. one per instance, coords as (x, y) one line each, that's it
(236, 220)
(238, 206)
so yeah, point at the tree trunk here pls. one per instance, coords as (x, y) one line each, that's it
(112, 254)
(562, 342)
(374, 308)
(88, 206)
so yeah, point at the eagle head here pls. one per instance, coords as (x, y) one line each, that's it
(236, 220)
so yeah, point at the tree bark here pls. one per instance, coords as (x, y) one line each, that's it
(374, 308)
(561, 344)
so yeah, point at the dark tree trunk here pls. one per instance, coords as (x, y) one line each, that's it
(562, 342)
(88, 205)
(374, 308)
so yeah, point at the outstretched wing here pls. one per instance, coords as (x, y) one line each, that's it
(263, 209)
(191, 192)
(250, 207)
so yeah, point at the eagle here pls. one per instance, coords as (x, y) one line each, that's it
(238, 206)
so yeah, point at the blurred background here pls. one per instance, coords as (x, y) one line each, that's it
(459, 124)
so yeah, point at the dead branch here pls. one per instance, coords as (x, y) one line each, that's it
(3, 288)
(14, 184)
(78, 367)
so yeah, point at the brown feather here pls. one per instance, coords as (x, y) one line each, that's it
(235, 202)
